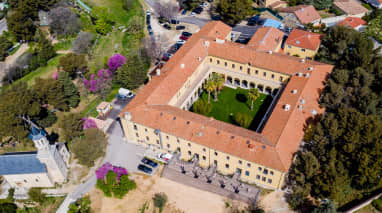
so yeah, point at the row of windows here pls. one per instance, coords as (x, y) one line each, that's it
(265, 171)
(248, 70)
(302, 49)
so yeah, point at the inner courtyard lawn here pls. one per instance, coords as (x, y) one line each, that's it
(231, 101)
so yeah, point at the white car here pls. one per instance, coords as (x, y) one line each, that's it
(148, 12)
(181, 42)
(192, 14)
(165, 156)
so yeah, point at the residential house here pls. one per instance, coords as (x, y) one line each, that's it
(350, 7)
(305, 14)
(354, 22)
(267, 39)
(302, 43)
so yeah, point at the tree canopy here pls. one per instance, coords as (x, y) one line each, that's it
(233, 11)
(73, 64)
(5, 44)
(133, 73)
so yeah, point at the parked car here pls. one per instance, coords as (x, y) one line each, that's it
(165, 156)
(145, 169)
(149, 162)
(184, 12)
(181, 41)
(204, 4)
(180, 27)
(184, 33)
(166, 56)
(198, 10)
(174, 21)
(177, 46)
(148, 12)
(210, 1)
(182, 37)
(168, 27)
(192, 14)
(216, 17)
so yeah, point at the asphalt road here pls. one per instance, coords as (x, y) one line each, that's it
(3, 26)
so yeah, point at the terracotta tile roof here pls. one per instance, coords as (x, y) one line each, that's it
(352, 22)
(266, 38)
(304, 39)
(304, 13)
(278, 4)
(350, 7)
(215, 29)
(283, 131)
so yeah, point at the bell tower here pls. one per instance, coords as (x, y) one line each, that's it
(38, 136)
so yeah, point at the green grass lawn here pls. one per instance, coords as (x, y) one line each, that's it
(63, 45)
(231, 101)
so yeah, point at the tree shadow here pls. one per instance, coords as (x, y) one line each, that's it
(260, 114)
(241, 97)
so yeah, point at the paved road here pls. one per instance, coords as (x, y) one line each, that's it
(119, 153)
(3, 26)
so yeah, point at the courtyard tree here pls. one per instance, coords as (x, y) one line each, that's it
(51, 92)
(202, 107)
(156, 47)
(233, 11)
(73, 64)
(91, 147)
(70, 90)
(160, 200)
(210, 87)
(44, 50)
(219, 83)
(253, 94)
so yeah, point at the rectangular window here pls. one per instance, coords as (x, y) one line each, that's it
(210, 60)
(240, 162)
(249, 165)
(136, 134)
(168, 146)
(189, 145)
(259, 168)
(227, 157)
(271, 172)
(189, 153)
(269, 180)
(145, 130)
(204, 157)
(281, 78)
(147, 138)
(265, 172)
(241, 68)
(135, 127)
(273, 76)
(264, 74)
(227, 165)
(247, 173)
(167, 137)
(217, 62)
(258, 177)
(204, 149)
(216, 154)
(157, 141)
(177, 140)
(249, 71)
(303, 50)
(233, 66)
(225, 64)
(257, 72)
(263, 179)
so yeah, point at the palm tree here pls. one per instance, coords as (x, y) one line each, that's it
(219, 82)
(209, 86)
(253, 94)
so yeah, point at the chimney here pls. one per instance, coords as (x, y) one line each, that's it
(270, 51)
(182, 66)
(303, 60)
(287, 107)
(307, 75)
(294, 91)
(158, 72)
(251, 147)
(299, 74)
(128, 116)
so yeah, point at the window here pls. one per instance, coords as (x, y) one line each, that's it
(241, 68)
(281, 78)
(257, 72)
(136, 134)
(168, 146)
(271, 172)
(189, 153)
(204, 149)
(246, 173)
(303, 50)
(265, 172)
(36, 180)
(259, 168)
(167, 137)
(233, 66)
(25, 181)
(225, 64)
(145, 130)
(264, 74)
(157, 141)
(289, 46)
(189, 145)
(147, 138)
(210, 60)
(258, 177)
(269, 180)
(135, 127)
(217, 62)
(249, 71)
(177, 140)
(249, 165)
(263, 179)
(227, 165)
(240, 162)
(204, 157)
(273, 76)
(216, 154)
(227, 157)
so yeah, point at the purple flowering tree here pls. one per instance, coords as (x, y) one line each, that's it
(100, 83)
(116, 61)
(105, 168)
(89, 123)
(55, 75)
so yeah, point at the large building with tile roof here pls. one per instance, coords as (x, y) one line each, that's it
(158, 117)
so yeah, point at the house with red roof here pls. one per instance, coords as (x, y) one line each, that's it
(351, 7)
(305, 14)
(353, 22)
(267, 39)
(302, 43)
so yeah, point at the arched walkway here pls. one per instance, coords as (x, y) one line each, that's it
(244, 84)
(237, 82)
(229, 80)
(268, 90)
(260, 87)
(252, 85)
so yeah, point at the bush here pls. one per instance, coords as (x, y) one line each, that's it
(8, 208)
(127, 4)
(243, 119)
(377, 203)
(160, 200)
(114, 185)
(36, 195)
(202, 107)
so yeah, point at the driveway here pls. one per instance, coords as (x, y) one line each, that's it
(119, 153)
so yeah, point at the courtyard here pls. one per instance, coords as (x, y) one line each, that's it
(232, 101)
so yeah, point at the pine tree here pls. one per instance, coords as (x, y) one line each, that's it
(20, 25)
(45, 50)
(70, 90)
(132, 74)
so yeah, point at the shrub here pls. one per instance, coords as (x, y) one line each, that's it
(377, 203)
(114, 184)
(36, 195)
(160, 200)
(243, 119)
(202, 107)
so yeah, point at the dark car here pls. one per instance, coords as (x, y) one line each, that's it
(184, 12)
(149, 162)
(216, 17)
(167, 26)
(174, 21)
(180, 27)
(185, 38)
(198, 10)
(184, 33)
(144, 168)
(177, 46)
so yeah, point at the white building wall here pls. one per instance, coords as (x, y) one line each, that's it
(29, 180)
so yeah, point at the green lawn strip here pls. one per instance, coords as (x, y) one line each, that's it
(231, 101)
(63, 45)
(91, 107)
(41, 71)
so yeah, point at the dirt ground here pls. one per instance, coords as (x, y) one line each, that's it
(181, 198)
(275, 202)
